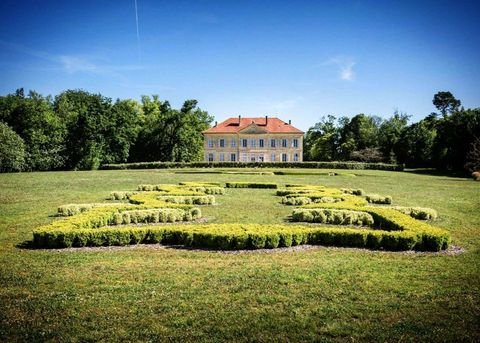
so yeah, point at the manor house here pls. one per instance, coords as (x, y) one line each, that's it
(261, 139)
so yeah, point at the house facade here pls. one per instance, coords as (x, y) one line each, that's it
(253, 140)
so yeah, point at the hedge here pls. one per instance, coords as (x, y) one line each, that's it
(72, 209)
(234, 237)
(189, 200)
(421, 213)
(332, 216)
(378, 199)
(251, 185)
(120, 195)
(162, 215)
(312, 165)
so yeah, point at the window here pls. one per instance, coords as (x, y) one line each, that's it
(272, 143)
(272, 158)
(210, 143)
(244, 143)
(284, 143)
(284, 158)
(260, 158)
(210, 157)
(232, 157)
(244, 157)
(261, 143)
(252, 158)
(233, 143)
(295, 157)
(222, 143)
(295, 143)
(253, 143)
(222, 157)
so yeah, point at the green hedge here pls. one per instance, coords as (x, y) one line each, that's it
(189, 200)
(314, 165)
(378, 199)
(231, 236)
(421, 213)
(120, 195)
(162, 215)
(251, 185)
(332, 216)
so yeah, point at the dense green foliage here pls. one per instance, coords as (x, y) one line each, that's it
(445, 140)
(12, 150)
(81, 130)
(293, 165)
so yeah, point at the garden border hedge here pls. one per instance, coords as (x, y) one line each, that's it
(309, 165)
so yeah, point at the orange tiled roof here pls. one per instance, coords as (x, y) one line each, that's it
(271, 125)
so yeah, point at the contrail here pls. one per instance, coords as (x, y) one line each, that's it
(138, 33)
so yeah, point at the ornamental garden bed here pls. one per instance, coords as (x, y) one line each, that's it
(358, 221)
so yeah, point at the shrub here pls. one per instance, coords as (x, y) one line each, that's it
(476, 175)
(353, 191)
(332, 216)
(189, 200)
(378, 199)
(251, 185)
(296, 201)
(120, 195)
(421, 213)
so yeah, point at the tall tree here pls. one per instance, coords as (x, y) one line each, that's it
(321, 140)
(389, 133)
(12, 150)
(446, 103)
(34, 120)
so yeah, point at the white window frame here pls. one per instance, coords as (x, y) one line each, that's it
(272, 157)
(296, 157)
(284, 157)
(261, 143)
(295, 143)
(210, 143)
(221, 143)
(233, 142)
(244, 143)
(211, 157)
(284, 143)
(234, 159)
(274, 145)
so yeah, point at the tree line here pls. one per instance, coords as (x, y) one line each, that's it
(80, 130)
(448, 139)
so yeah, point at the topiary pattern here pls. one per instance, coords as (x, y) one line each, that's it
(357, 222)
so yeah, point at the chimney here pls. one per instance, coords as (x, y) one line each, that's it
(215, 124)
(266, 120)
(289, 122)
(239, 118)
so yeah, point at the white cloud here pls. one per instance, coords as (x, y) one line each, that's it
(345, 67)
(73, 64)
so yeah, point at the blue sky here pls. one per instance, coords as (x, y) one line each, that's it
(297, 60)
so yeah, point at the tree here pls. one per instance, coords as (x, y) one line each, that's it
(321, 140)
(358, 133)
(446, 103)
(12, 150)
(389, 133)
(87, 122)
(35, 121)
(415, 145)
(456, 133)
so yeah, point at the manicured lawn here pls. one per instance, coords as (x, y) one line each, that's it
(150, 293)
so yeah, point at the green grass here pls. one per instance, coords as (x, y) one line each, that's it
(148, 294)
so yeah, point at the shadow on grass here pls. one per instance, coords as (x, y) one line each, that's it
(28, 245)
(436, 172)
